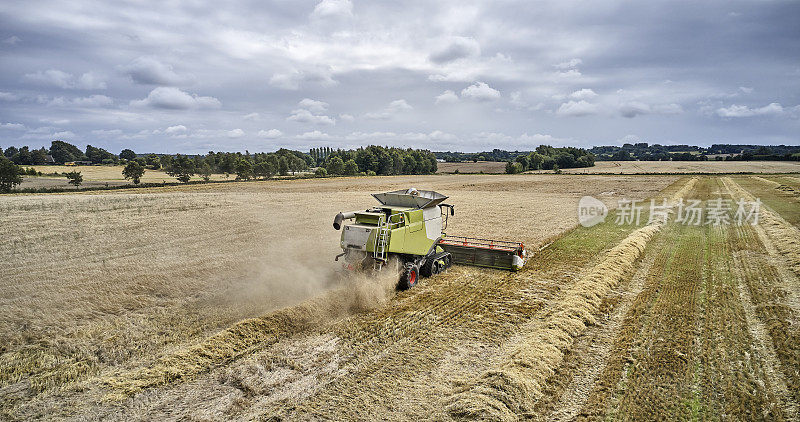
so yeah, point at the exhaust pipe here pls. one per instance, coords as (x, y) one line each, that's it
(337, 221)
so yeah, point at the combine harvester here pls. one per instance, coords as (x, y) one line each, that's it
(407, 232)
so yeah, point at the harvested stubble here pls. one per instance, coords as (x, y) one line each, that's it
(784, 235)
(515, 385)
(252, 333)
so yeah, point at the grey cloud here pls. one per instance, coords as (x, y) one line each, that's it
(456, 48)
(150, 71)
(701, 70)
(94, 101)
(64, 80)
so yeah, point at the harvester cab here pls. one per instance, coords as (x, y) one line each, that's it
(407, 231)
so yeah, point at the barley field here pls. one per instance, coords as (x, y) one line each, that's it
(221, 302)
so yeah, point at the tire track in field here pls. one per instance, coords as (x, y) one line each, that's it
(592, 350)
(781, 240)
(763, 344)
(512, 388)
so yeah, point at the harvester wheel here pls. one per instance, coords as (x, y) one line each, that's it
(409, 277)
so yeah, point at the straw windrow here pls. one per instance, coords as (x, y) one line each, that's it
(514, 386)
(784, 235)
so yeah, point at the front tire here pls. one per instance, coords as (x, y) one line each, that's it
(409, 277)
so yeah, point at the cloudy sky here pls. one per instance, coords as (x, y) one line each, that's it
(193, 76)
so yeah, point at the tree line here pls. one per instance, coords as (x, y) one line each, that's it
(643, 151)
(546, 157)
(369, 160)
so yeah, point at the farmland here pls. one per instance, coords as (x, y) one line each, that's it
(681, 167)
(221, 302)
(94, 176)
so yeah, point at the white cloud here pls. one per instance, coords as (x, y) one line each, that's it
(569, 64)
(398, 105)
(172, 130)
(746, 90)
(90, 81)
(744, 111)
(577, 108)
(583, 94)
(64, 135)
(12, 126)
(333, 9)
(251, 116)
(633, 109)
(294, 79)
(671, 108)
(454, 49)
(150, 71)
(175, 99)
(392, 109)
(64, 80)
(305, 116)
(107, 132)
(629, 139)
(347, 117)
(8, 96)
(314, 136)
(569, 74)
(51, 77)
(12, 40)
(313, 105)
(270, 134)
(93, 101)
(480, 91)
(235, 133)
(446, 97)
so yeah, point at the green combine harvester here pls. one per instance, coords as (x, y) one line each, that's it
(407, 231)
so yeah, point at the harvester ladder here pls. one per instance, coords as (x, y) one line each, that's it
(381, 243)
(380, 251)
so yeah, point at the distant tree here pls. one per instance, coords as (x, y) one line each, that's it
(127, 154)
(244, 169)
(535, 161)
(23, 156)
(513, 167)
(10, 152)
(10, 175)
(133, 171)
(265, 169)
(153, 162)
(63, 152)
(38, 157)
(622, 155)
(99, 155)
(296, 164)
(205, 172)
(320, 172)
(335, 165)
(181, 167)
(75, 178)
(283, 166)
(350, 167)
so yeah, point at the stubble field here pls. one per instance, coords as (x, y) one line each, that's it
(220, 302)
